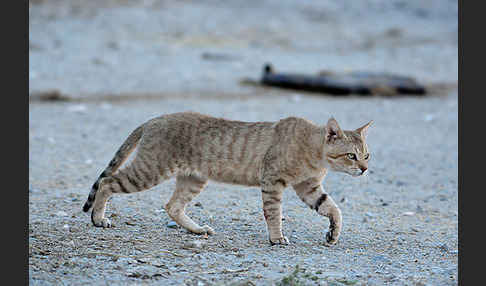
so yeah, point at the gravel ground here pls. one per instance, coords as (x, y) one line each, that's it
(400, 224)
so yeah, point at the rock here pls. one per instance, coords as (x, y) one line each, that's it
(400, 183)
(444, 247)
(370, 215)
(198, 204)
(419, 209)
(61, 213)
(77, 108)
(195, 244)
(172, 224)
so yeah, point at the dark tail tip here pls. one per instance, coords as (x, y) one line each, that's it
(86, 206)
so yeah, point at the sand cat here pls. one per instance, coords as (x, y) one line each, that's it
(272, 155)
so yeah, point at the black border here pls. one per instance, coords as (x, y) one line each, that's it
(470, 143)
(15, 136)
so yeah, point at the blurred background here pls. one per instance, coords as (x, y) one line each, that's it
(112, 47)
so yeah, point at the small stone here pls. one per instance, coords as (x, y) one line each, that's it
(444, 247)
(198, 204)
(134, 274)
(172, 224)
(343, 200)
(195, 244)
(371, 215)
(408, 213)
(400, 183)
(65, 227)
(61, 213)
(77, 108)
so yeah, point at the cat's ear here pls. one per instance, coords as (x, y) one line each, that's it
(363, 130)
(333, 131)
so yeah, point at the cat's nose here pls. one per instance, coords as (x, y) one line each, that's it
(363, 169)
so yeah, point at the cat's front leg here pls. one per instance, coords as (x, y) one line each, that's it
(272, 210)
(312, 193)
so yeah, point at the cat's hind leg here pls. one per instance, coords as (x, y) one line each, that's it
(137, 176)
(187, 187)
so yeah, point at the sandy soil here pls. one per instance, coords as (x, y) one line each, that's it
(124, 62)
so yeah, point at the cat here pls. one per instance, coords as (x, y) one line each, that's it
(196, 148)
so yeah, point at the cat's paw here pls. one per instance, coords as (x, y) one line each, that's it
(206, 229)
(330, 239)
(281, 240)
(104, 223)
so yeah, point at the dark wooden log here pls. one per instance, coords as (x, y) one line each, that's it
(361, 83)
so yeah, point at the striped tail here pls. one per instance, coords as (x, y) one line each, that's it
(121, 155)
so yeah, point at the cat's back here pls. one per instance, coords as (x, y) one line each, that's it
(190, 119)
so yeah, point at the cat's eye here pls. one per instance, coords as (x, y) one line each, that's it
(351, 156)
(367, 156)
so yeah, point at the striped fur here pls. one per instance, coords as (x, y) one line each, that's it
(196, 148)
(121, 155)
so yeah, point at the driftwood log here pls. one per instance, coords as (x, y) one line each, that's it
(358, 82)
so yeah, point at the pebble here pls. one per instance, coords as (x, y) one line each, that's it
(444, 247)
(61, 213)
(195, 244)
(172, 224)
(400, 183)
(371, 215)
(77, 108)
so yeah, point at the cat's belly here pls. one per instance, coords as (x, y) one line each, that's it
(234, 176)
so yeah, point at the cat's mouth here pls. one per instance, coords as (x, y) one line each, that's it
(357, 172)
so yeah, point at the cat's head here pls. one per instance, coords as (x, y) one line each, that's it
(346, 151)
